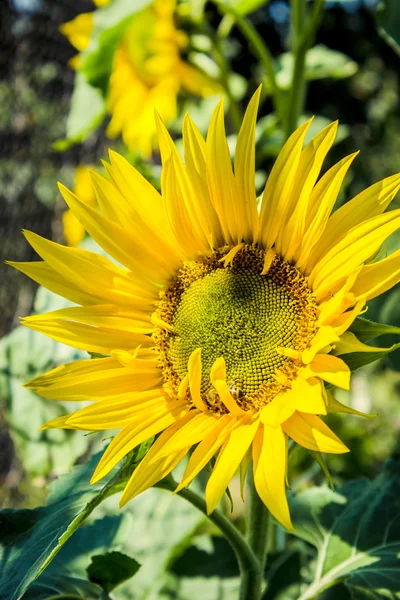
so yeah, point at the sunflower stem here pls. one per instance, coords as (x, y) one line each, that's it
(257, 538)
(249, 563)
(260, 50)
(303, 35)
(234, 108)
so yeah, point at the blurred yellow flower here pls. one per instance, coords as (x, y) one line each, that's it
(221, 323)
(79, 30)
(74, 232)
(148, 73)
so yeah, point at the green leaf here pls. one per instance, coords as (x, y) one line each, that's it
(30, 539)
(109, 24)
(365, 331)
(388, 20)
(111, 569)
(245, 7)
(64, 585)
(357, 535)
(23, 355)
(368, 330)
(321, 63)
(86, 113)
(206, 569)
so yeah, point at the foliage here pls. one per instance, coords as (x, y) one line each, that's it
(79, 544)
(357, 535)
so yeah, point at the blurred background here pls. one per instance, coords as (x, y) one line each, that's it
(54, 124)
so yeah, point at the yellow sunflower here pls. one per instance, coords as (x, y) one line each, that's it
(221, 322)
(148, 72)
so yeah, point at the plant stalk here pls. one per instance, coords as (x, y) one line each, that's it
(249, 563)
(303, 37)
(257, 538)
(260, 50)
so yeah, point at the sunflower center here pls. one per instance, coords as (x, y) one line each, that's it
(239, 314)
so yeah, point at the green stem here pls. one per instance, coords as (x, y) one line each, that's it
(248, 561)
(234, 109)
(303, 34)
(257, 538)
(261, 51)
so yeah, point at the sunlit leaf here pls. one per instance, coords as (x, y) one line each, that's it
(321, 63)
(30, 539)
(86, 113)
(357, 535)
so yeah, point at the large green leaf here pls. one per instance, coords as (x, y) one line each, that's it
(30, 539)
(321, 63)
(24, 354)
(357, 535)
(365, 331)
(64, 585)
(85, 115)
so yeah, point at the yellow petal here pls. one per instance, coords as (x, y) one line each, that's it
(94, 328)
(207, 448)
(377, 278)
(153, 467)
(324, 337)
(331, 369)
(218, 379)
(245, 169)
(312, 433)
(117, 241)
(279, 185)
(270, 466)
(194, 373)
(57, 423)
(229, 459)
(119, 412)
(369, 203)
(44, 275)
(92, 273)
(221, 182)
(322, 201)
(356, 247)
(292, 235)
(195, 162)
(134, 434)
(78, 30)
(96, 378)
(192, 432)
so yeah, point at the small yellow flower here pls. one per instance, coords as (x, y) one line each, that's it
(74, 232)
(222, 324)
(148, 73)
(79, 30)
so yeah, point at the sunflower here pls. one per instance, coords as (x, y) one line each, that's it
(221, 323)
(148, 72)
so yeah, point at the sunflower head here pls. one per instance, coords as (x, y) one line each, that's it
(222, 322)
